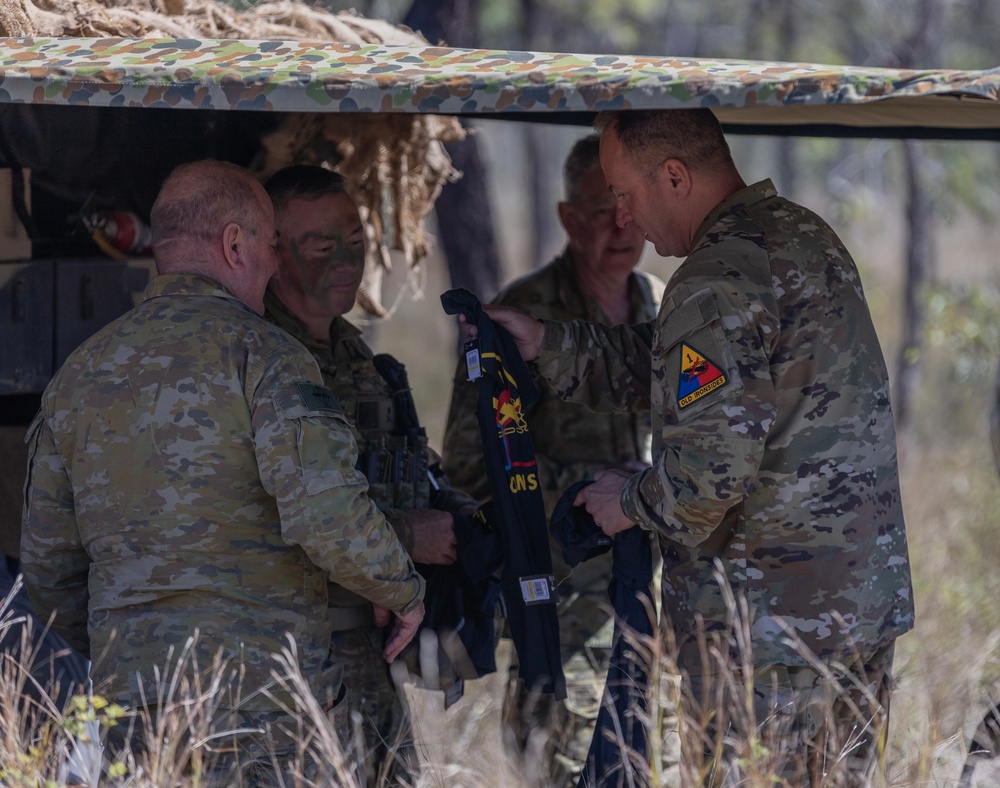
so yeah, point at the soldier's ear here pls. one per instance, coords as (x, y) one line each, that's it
(232, 240)
(675, 176)
(565, 216)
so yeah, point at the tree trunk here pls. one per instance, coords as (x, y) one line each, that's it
(465, 219)
(465, 224)
(919, 263)
(785, 147)
(921, 48)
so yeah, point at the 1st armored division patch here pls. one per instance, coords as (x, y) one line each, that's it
(698, 376)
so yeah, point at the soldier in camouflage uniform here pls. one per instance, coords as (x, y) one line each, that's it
(774, 446)
(189, 472)
(593, 279)
(321, 258)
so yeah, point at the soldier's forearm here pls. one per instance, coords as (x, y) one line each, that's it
(400, 525)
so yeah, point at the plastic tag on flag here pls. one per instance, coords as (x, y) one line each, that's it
(472, 359)
(539, 589)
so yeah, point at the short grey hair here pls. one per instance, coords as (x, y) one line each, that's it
(582, 159)
(200, 198)
(650, 137)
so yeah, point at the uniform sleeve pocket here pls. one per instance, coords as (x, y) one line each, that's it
(32, 438)
(326, 448)
(326, 455)
(700, 367)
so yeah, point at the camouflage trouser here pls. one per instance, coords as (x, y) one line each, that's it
(586, 626)
(807, 726)
(379, 726)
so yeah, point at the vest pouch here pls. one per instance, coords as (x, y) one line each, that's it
(402, 462)
(375, 417)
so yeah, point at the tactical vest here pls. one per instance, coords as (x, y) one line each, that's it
(392, 446)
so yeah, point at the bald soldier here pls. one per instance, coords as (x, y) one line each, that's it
(189, 473)
(773, 442)
(593, 279)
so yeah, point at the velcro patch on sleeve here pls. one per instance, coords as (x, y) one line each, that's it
(317, 397)
(699, 367)
(307, 399)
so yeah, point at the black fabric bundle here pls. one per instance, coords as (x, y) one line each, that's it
(527, 581)
(620, 734)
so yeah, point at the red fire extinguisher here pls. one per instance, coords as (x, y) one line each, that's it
(120, 233)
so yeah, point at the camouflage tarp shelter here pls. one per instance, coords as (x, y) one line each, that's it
(749, 96)
(95, 116)
(99, 122)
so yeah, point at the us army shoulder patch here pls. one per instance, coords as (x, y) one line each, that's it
(698, 376)
(316, 397)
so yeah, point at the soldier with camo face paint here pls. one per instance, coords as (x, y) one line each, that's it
(774, 471)
(321, 255)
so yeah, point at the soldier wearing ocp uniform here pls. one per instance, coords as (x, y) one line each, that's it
(593, 279)
(774, 442)
(773, 437)
(571, 443)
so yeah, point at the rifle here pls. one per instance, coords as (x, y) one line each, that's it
(410, 463)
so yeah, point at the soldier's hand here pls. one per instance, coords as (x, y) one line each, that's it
(632, 466)
(603, 500)
(403, 630)
(433, 536)
(526, 331)
(382, 615)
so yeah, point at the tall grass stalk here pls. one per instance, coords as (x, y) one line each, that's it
(705, 732)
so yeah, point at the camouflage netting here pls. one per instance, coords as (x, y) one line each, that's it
(396, 163)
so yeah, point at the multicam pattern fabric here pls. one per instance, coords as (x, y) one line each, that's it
(331, 77)
(818, 726)
(349, 372)
(774, 442)
(372, 703)
(189, 471)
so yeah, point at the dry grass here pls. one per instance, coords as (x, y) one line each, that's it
(185, 745)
